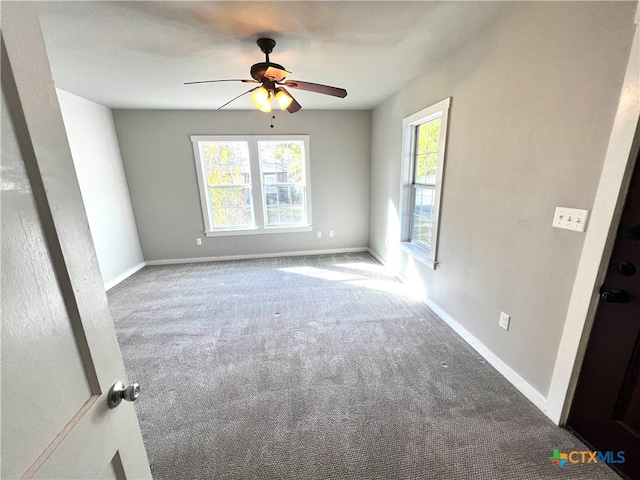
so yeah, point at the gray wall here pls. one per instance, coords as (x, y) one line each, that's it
(158, 159)
(96, 157)
(533, 99)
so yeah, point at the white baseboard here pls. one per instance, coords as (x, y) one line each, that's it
(173, 261)
(123, 276)
(505, 370)
(377, 257)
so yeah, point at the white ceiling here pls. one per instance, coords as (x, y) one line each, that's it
(139, 54)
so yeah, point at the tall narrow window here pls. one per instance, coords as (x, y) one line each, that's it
(253, 184)
(427, 145)
(283, 176)
(423, 167)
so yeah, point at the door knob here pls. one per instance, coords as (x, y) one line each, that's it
(119, 392)
(614, 295)
(626, 268)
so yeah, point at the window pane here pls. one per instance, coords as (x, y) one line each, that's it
(427, 144)
(434, 135)
(422, 139)
(273, 217)
(297, 195)
(271, 195)
(422, 218)
(284, 159)
(231, 207)
(421, 168)
(283, 195)
(426, 168)
(285, 206)
(432, 168)
(297, 214)
(227, 163)
(282, 166)
(428, 136)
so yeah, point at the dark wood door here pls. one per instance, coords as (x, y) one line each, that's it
(606, 406)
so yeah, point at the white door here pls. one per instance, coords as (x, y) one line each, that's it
(60, 356)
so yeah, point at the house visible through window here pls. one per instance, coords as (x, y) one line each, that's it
(423, 166)
(284, 198)
(253, 184)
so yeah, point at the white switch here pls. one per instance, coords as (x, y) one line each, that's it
(331, 233)
(319, 234)
(198, 241)
(570, 218)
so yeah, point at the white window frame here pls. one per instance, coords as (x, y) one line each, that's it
(409, 124)
(259, 208)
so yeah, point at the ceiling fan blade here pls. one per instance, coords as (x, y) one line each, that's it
(228, 80)
(294, 106)
(276, 74)
(235, 98)
(317, 88)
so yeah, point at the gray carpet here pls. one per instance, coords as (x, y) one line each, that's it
(318, 368)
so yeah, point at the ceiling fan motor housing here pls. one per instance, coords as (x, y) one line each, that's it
(257, 70)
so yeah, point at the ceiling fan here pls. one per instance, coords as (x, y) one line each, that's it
(272, 78)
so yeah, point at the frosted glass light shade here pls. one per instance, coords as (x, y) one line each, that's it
(262, 99)
(283, 99)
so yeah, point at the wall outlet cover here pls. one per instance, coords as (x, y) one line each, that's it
(504, 320)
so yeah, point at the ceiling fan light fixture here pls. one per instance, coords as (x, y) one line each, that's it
(272, 76)
(283, 98)
(262, 99)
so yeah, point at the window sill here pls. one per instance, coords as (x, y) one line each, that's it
(258, 231)
(419, 254)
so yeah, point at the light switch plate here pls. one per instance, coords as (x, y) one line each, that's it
(570, 218)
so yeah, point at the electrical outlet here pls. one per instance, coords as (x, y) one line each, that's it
(504, 320)
(319, 234)
(198, 241)
(570, 218)
(331, 233)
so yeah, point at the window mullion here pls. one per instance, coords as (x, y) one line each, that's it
(256, 184)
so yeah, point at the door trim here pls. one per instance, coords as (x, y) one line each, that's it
(624, 143)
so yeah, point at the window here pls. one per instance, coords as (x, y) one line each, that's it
(423, 167)
(253, 184)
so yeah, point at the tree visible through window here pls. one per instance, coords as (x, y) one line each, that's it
(282, 166)
(253, 182)
(229, 183)
(424, 155)
(427, 138)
